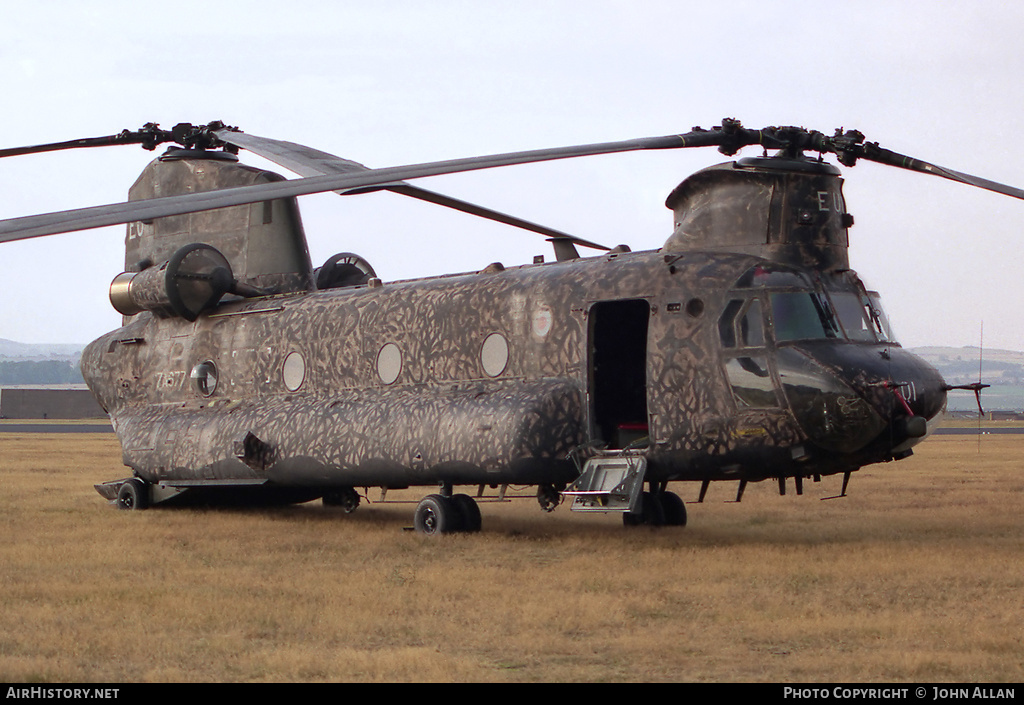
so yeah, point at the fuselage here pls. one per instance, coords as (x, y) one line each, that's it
(715, 366)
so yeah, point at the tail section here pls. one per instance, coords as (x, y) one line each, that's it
(264, 242)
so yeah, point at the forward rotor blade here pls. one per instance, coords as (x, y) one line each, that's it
(874, 153)
(306, 161)
(118, 213)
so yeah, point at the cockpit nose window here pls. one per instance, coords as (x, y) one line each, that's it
(862, 316)
(879, 321)
(851, 311)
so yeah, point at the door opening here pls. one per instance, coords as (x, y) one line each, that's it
(618, 371)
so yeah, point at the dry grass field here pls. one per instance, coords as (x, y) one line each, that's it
(917, 576)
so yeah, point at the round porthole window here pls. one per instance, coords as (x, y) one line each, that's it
(389, 363)
(204, 378)
(294, 371)
(494, 354)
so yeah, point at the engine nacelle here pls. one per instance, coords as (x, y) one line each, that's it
(193, 280)
(343, 269)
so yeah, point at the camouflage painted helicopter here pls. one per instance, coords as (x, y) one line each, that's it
(744, 349)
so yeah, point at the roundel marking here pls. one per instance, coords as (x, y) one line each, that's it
(542, 322)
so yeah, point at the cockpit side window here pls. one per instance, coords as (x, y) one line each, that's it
(742, 331)
(742, 324)
(727, 323)
(752, 325)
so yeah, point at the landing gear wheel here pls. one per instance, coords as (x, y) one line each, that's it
(650, 514)
(469, 510)
(549, 497)
(673, 508)
(436, 514)
(345, 497)
(133, 495)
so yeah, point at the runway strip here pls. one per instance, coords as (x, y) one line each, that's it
(55, 428)
(975, 431)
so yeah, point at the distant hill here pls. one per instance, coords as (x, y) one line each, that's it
(960, 365)
(26, 363)
(12, 350)
(1003, 369)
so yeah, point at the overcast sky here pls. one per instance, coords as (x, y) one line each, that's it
(389, 83)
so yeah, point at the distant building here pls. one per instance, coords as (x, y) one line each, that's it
(997, 415)
(49, 402)
(1006, 416)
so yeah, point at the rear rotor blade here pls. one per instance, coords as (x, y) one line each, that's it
(149, 136)
(303, 160)
(70, 144)
(306, 161)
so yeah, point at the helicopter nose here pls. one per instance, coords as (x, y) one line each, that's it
(913, 396)
(848, 396)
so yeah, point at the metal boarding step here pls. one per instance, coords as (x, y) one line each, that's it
(609, 483)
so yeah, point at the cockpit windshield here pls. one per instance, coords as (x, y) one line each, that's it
(832, 307)
(802, 315)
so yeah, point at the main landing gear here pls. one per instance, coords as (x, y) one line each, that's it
(657, 508)
(345, 497)
(440, 514)
(133, 495)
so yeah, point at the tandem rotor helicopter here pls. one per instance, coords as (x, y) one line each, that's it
(744, 349)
